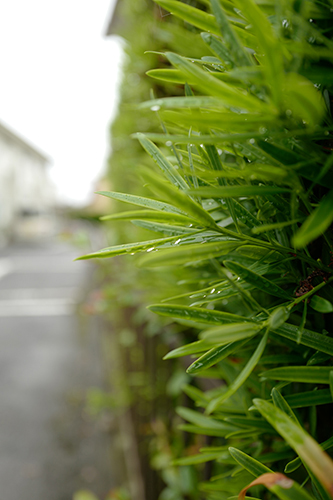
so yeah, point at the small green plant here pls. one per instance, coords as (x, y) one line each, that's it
(242, 204)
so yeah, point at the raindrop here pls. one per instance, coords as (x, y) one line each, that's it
(132, 253)
(263, 130)
(219, 151)
(155, 108)
(224, 302)
(252, 141)
(150, 249)
(177, 241)
(326, 132)
(289, 112)
(168, 143)
(213, 290)
(219, 291)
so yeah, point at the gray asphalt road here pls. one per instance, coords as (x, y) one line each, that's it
(49, 447)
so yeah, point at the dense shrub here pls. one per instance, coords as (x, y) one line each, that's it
(242, 201)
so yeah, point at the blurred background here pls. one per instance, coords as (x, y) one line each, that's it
(59, 93)
(85, 404)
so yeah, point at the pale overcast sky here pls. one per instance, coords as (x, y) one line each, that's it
(59, 77)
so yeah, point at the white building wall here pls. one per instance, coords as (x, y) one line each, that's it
(25, 186)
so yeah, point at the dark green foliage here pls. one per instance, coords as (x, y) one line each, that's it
(242, 206)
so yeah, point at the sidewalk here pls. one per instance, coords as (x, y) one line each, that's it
(49, 445)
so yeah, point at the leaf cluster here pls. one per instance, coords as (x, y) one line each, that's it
(242, 203)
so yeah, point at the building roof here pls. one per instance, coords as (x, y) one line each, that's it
(10, 134)
(114, 22)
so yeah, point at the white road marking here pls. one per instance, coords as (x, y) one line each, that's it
(35, 293)
(6, 267)
(36, 307)
(34, 264)
(56, 301)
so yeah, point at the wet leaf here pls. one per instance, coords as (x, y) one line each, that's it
(256, 280)
(320, 304)
(213, 356)
(242, 377)
(304, 445)
(306, 374)
(167, 168)
(231, 332)
(188, 253)
(141, 201)
(317, 223)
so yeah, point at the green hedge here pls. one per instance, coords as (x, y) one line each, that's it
(241, 204)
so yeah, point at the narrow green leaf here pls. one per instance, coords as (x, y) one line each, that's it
(201, 420)
(141, 202)
(264, 228)
(309, 338)
(256, 253)
(217, 47)
(277, 317)
(229, 121)
(281, 403)
(128, 248)
(199, 397)
(203, 431)
(309, 398)
(212, 86)
(186, 350)
(151, 215)
(306, 374)
(230, 38)
(304, 445)
(237, 191)
(213, 356)
(320, 304)
(257, 423)
(294, 464)
(211, 317)
(188, 253)
(256, 280)
(202, 20)
(162, 162)
(242, 377)
(166, 229)
(281, 359)
(248, 463)
(231, 332)
(200, 458)
(269, 47)
(197, 17)
(303, 99)
(317, 223)
(182, 200)
(190, 102)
